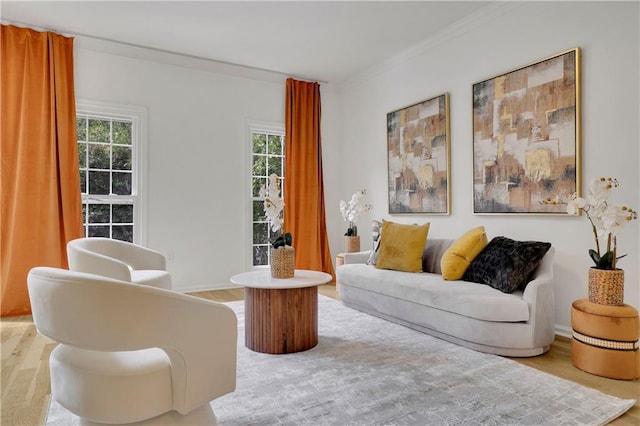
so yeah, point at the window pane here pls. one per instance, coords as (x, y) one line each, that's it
(256, 183)
(122, 213)
(105, 151)
(121, 183)
(275, 166)
(98, 182)
(99, 213)
(82, 155)
(258, 211)
(260, 255)
(267, 159)
(121, 158)
(84, 213)
(83, 181)
(259, 165)
(121, 132)
(99, 231)
(259, 143)
(99, 156)
(99, 131)
(260, 233)
(275, 144)
(123, 233)
(81, 129)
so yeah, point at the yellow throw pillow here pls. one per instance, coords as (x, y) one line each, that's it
(401, 246)
(459, 255)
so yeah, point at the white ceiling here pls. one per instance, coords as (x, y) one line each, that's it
(329, 41)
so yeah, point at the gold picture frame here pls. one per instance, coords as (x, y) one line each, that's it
(527, 137)
(418, 158)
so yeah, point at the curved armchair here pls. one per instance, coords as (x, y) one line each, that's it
(128, 352)
(119, 260)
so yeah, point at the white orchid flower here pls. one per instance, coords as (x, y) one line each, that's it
(575, 204)
(601, 190)
(606, 220)
(343, 208)
(615, 218)
(354, 208)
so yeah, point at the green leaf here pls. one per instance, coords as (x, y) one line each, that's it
(602, 262)
(278, 242)
(283, 240)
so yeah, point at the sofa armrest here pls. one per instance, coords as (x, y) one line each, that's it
(356, 257)
(539, 294)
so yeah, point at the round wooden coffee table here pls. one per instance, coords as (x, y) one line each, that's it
(281, 315)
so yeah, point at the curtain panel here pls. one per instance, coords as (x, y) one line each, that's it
(304, 208)
(41, 203)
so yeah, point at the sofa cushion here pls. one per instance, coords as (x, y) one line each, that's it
(459, 297)
(401, 246)
(506, 264)
(458, 257)
(433, 250)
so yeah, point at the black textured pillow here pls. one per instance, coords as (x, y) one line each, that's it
(506, 264)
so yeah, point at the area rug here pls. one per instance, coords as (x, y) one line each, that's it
(368, 371)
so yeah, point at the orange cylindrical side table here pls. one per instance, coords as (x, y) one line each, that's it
(605, 339)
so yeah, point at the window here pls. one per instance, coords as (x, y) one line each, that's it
(267, 158)
(108, 151)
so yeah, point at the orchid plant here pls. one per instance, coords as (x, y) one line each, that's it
(273, 210)
(606, 219)
(352, 210)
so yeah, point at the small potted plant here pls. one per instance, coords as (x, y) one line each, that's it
(350, 212)
(282, 253)
(606, 280)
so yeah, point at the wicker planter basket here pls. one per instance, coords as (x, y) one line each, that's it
(283, 262)
(606, 286)
(353, 244)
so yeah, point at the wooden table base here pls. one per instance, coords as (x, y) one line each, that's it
(281, 321)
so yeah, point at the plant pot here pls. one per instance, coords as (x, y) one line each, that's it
(283, 262)
(606, 286)
(353, 244)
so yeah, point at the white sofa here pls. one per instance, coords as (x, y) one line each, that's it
(477, 316)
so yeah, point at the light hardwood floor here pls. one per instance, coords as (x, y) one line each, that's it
(25, 368)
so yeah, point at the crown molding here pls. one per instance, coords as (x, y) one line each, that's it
(167, 57)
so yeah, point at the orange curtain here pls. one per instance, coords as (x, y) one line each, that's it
(304, 211)
(41, 204)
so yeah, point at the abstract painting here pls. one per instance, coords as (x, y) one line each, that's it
(418, 157)
(526, 137)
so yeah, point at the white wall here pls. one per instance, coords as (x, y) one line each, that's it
(508, 37)
(197, 210)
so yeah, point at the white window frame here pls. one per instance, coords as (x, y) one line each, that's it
(138, 116)
(252, 127)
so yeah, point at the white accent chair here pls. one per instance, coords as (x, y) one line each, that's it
(119, 260)
(130, 352)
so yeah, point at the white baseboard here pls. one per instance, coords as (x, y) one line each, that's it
(564, 331)
(206, 287)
